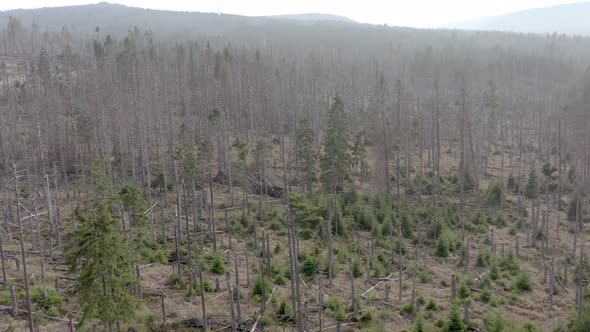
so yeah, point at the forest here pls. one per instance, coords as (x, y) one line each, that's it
(222, 173)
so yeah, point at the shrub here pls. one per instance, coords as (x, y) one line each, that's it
(432, 306)
(463, 291)
(442, 247)
(497, 323)
(341, 316)
(333, 304)
(494, 272)
(5, 297)
(335, 309)
(484, 258)
(387, 228)
(285, 313)
(486, 282)
(311, 267)
(511, 182)
(455, 321)
(218, 265)
(572, 209)
(421, 272)
(485, 295)
(52, 299)
(406, 309)
(510, 263)
(494, 195)
(366, 317)
(280, 280)
(357, 270)
(421, 300)
(258, 287)
(531, 187)
(523, 282)
(377, 268)
(265, 320)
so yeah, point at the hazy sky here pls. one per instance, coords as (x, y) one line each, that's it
(416, 13)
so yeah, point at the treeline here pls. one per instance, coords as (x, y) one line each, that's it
(116, 124)
(74, 99)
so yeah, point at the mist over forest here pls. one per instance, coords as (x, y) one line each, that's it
(184, 171)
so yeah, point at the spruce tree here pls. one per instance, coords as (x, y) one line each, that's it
(532, 186)
(572, 208)
(336, 159)
(187, 153)
(455, 322)
(359, 155)
(305, 152)
(101, 257)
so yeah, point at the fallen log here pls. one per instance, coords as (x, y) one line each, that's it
(260, 315)
(375, 286)
(554, 277)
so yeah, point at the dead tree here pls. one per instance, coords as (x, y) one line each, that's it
(22, 249)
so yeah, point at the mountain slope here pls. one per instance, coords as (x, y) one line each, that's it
(314, 17)
(568, 18)
(117, 19)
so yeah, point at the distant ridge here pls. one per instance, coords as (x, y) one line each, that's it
(118, 19)
(314, 17)
(571, 18)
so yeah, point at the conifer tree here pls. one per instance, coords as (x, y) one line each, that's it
(305, 152)
(336, 158)
(531, 187)
(455, 322)
(101, 256)
(359, 155)
(186, 153)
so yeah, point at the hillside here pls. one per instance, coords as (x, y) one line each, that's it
(313, 17)
(203, 172)
(568, 18)
(118, 19)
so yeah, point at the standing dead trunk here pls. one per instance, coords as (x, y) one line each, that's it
(352, 290)
(41, 252)
(320, 302)
(230, 291)
(237, 292)
(466, 266)
(330, 243)
(179, 229)
(212, 227)
(22, 249)
(163, 305)
(13, 300)
(177, 246)
(559, 189)
(3, 261)
(201, 285)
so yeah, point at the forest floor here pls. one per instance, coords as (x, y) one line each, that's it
(156, 277)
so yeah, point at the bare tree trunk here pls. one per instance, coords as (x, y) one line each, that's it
(178, 263)
(212, 228)
(3, 261)
(238, 307)
(320, 302)
(559, 189)
(201, 285)
(22, 249)
(41, 252)
(352, 292)
(330, 242)
(178, 207)
(231, 301)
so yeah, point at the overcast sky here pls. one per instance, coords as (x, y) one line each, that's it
(415, 13)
